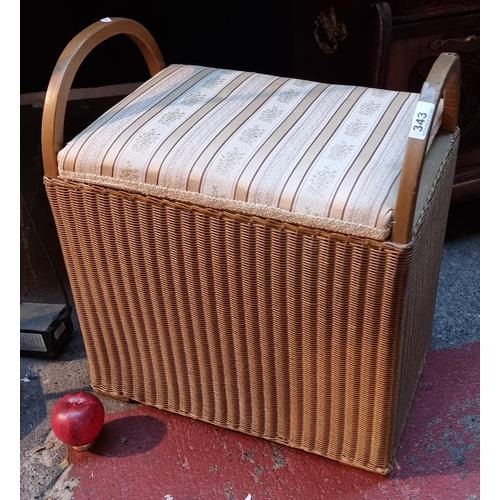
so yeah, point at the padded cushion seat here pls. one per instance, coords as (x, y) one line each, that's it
(325, 156)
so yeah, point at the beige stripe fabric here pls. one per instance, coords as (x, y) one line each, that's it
(321, 155)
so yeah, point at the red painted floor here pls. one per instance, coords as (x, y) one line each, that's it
(146, 454)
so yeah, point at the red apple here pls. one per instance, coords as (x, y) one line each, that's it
(77, 419)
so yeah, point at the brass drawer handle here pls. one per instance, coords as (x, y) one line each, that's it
(329, 32)
(467, 44)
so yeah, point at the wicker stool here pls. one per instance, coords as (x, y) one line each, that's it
(260, 253)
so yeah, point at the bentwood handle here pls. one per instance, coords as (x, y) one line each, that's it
(442, 81)
(65, 70)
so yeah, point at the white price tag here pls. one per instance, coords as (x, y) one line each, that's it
(422, 119)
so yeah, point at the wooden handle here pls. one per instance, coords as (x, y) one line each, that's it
(443, 80)
(70, 60)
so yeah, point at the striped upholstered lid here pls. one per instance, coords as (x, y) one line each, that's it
(325, 156)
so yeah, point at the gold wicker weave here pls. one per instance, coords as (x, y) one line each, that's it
(307, 338)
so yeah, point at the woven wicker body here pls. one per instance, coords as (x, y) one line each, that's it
(307, 338)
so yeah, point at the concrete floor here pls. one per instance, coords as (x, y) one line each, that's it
(144, 453)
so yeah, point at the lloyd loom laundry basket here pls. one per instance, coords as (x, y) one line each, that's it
(260, 253)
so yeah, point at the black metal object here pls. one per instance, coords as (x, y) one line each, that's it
(45, 328)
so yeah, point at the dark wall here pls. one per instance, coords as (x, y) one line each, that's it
(253, 36)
